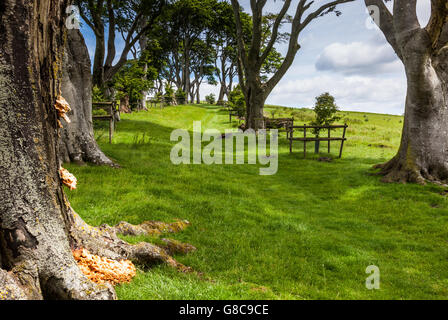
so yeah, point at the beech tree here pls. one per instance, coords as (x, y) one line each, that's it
(77, 141)
(423, 153)
(133, 18)
(201, 66)
(184, 23)
(224, 45)
(252, 55)
(38, 228)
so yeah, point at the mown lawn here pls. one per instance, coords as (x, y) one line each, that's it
(308, 232)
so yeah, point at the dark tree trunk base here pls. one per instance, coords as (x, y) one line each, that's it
(25, 282)
(83, 152)
(396, 171)
(77, 142)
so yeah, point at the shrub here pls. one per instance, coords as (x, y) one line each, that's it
(97, 94)
(211, 98)
(237, 101)
(181, 96)
(169, 95)
(131, 81)
(158, 97)
(325, 110)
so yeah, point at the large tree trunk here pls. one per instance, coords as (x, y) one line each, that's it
(423, 154)
(221, 94)
(34, 242)
(38, 229)
(142, 102)
(77, 142)
(98, 60)
(198, 93)
(255, 99)
(186, 72)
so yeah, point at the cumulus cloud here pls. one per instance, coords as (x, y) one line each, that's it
(372, 57)
(354, 93)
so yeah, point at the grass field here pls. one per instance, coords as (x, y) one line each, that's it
(308, 232)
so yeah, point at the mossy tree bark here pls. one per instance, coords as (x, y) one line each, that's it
(77, 142)
(423, 153)
(34, 245)
(38, 228)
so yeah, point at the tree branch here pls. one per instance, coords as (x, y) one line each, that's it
(275, 28)
(405, 17)
(296, 29)
(84, 17)
(239, 30)
(257, 32)
(437, 27)
(386, 24)
(111, 37)
(129, 43)
(318, 12)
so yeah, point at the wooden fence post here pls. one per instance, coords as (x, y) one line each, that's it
(343, 140)
(304, 142)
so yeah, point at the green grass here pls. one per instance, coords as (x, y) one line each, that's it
(308, 232)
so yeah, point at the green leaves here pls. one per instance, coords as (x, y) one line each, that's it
(326, 111)
(133, 79)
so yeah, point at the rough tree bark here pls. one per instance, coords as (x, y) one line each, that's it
(77, 142)
(34, 246)
(423, 153)
(251, 56)
(38, 229)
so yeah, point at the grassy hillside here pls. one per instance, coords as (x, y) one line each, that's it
(308, 232)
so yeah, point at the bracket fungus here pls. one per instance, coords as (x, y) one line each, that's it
(67, 178)
(62, 107)
(100, 270)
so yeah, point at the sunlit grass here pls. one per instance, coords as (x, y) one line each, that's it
(308, 232)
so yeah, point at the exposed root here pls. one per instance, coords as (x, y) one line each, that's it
(104, 242)
(150, 228)
(71, 284)
(396, 171)
(10, 288)
(173, 247)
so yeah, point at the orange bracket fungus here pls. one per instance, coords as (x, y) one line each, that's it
(62, 107)
(67, 178)
(100, 270)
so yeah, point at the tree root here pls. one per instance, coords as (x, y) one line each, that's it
(26, 282)
(81, 150)
(71, 281)
(103, 241)
(10, 287)
(396, 171)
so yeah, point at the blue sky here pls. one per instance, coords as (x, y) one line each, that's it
(345, 56)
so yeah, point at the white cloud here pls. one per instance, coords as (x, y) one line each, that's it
(354, 93)
(375, 56)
